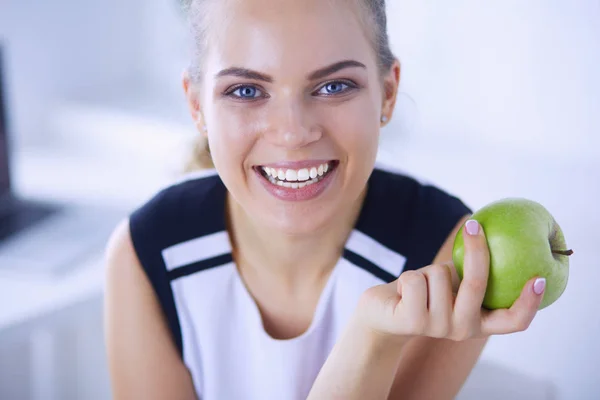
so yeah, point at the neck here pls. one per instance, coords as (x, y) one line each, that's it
(290, 258)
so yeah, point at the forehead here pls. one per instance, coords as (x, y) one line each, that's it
(294, 36)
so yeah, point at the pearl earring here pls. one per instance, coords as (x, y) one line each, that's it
(204, 128)
(384, 119)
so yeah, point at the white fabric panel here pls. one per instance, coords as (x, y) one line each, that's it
(195, 250)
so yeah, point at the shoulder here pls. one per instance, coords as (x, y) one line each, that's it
(124, 271)
(412, 216)
(119, 253)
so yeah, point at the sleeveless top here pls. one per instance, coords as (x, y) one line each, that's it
(181, 240)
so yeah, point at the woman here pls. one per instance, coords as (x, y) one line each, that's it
(297, 268)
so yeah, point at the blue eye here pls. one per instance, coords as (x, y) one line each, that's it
(333, 88)
(247, 92)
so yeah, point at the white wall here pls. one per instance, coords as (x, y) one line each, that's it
(518, 74)
(65, 49)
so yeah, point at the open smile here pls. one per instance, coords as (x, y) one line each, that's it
(303, 183)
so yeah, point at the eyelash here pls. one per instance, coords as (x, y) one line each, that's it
(350, 86)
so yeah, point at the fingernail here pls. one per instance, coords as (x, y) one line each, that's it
(472, 227)
(539, 285)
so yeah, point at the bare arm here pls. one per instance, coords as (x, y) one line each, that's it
(431, 368)
(360, 366)
(143, 361)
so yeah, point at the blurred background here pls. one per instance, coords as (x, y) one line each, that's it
(498, 99)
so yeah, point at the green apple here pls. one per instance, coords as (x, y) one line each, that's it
(524, 241)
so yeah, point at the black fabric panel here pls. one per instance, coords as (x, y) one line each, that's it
(387, 210)
(435, 217)
(368, 266)
(200, 266)
(181, 212)
(408, 217)
(144, 240)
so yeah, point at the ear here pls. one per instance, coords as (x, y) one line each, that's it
(391, 83)
(192, 96)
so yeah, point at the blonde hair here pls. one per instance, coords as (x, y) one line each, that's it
(199, 157)
(197, 12)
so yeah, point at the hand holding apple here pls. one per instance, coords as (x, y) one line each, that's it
(524, 241)
(425, 302)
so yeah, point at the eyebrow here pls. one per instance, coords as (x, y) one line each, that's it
(335, 67)
(318, 74)
(245, 73)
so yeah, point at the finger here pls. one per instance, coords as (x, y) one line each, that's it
(413, 289)
(518, 317)
(472, 289)
(440, 298)
(454, 277)
(387, 294)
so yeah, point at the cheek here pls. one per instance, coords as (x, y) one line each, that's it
(356, 129)
(231, 136)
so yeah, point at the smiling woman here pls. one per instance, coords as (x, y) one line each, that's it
(295, 266)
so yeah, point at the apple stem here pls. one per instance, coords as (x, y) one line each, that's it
(563, 252)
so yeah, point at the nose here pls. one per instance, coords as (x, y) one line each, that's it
(290, 126)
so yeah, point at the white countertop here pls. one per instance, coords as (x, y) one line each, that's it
(26, 298)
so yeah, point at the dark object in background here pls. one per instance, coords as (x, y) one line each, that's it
(16, 214)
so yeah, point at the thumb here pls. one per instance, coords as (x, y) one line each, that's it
(520, 314)
(531, 296)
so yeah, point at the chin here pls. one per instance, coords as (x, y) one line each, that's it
(299, 223)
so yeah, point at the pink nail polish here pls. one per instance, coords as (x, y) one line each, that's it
(472, 227)
(539, 285)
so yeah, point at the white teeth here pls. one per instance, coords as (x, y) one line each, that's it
(296, 179)
(291, 175)
(293, 185)
(303, 175)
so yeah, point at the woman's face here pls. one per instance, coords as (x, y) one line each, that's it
(292, 101)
